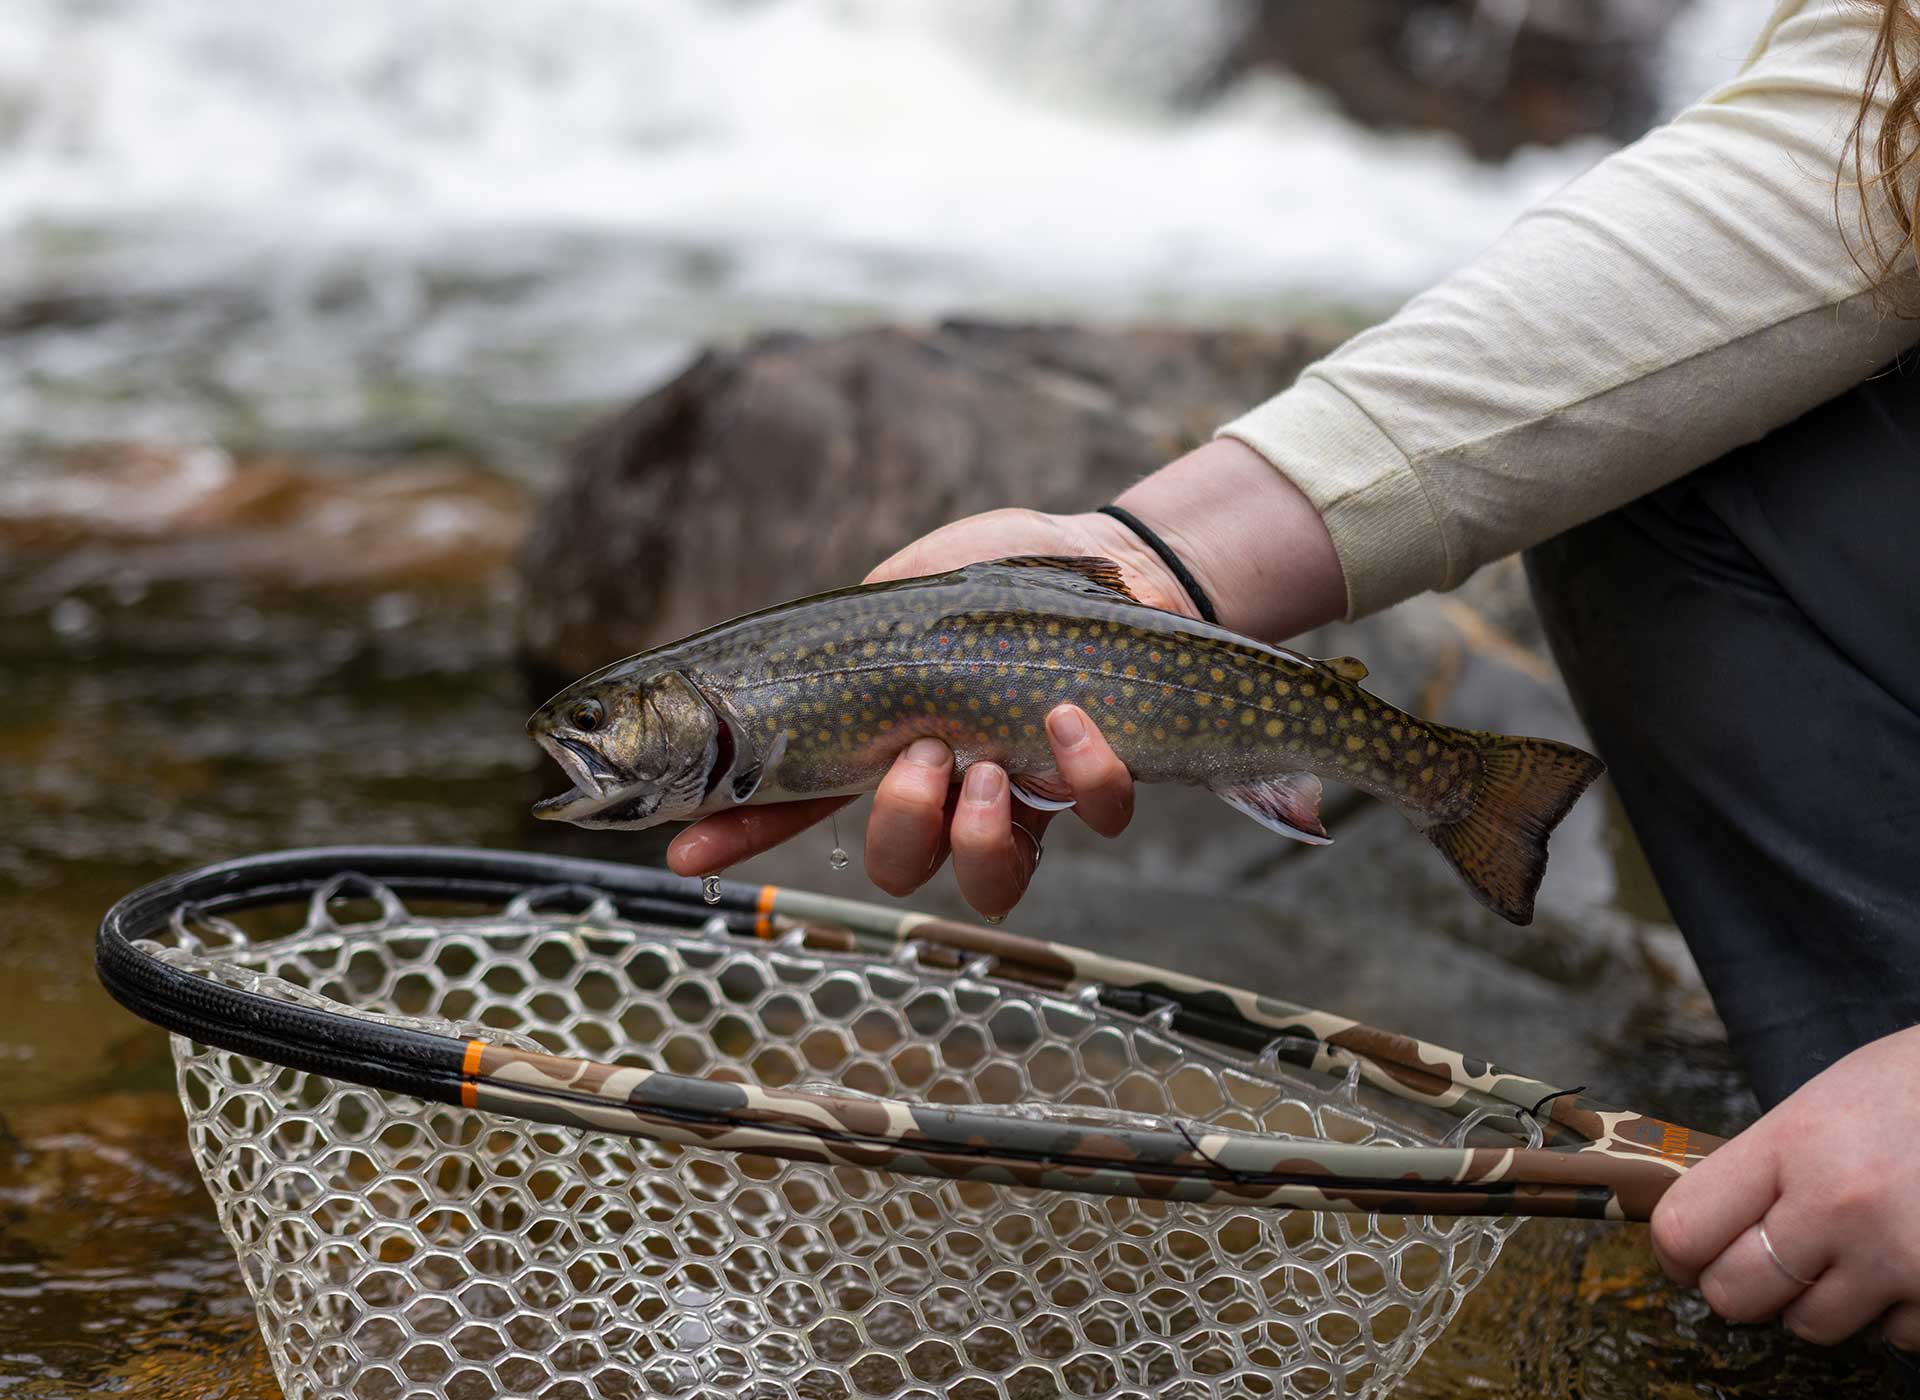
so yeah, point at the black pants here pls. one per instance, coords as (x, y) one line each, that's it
(1745, 648)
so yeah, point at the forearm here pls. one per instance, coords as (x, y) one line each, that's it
(1688, 295)
(1254, 542)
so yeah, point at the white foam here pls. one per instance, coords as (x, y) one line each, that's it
(718, 165)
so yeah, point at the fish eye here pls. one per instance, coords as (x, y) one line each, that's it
(586, 716)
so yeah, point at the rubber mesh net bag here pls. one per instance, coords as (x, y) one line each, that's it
(398, 1246)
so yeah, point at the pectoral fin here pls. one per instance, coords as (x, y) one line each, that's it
(1044, 792)
(1288, 804)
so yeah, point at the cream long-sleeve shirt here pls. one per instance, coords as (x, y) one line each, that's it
(1686, 295)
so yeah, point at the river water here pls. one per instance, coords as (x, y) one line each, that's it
(351, 273)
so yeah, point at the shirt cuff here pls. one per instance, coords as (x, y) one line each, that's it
(1384, 528)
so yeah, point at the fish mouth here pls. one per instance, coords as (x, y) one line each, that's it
(595, 785)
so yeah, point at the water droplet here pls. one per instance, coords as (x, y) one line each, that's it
(74, 619)
(838, 858)
(996, 918)
(710, 889)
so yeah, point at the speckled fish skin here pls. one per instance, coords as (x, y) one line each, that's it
(817, 697)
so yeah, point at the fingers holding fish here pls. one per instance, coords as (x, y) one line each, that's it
(712, 844)
(992, 860)
(1101, 786)
(906, 833)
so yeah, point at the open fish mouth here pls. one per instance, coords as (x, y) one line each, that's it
(595, 786)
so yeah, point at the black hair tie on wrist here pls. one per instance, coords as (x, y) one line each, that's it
(1202, 604)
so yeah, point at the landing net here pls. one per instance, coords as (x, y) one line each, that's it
(490, 1126)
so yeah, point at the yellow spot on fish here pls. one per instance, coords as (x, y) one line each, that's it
(1203, 700)
(1432, 748)
(1030, 730)
(1130, 670)
(1014, 712)
(1248, 717)
(1246, 685)
(1426, 775)
(1380, 747)
(1398, 731)
(1275, 729)
(829, 648)
(1413, 755)
(1190, 679)
(1294, 707)
(1217, 674)
(870, 648)
(1355, 743)
(826, 736)
(1282, 686)
(792, 734)
(1332, 702)
(1053, 629)
(1317, 727)
(1003, 731)
(1129, 728)
(1181, 722)
(1307, 690)
(1183, 659)
(1146, 706)
(1160, 732)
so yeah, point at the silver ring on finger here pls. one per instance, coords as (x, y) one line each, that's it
(1778, 1262)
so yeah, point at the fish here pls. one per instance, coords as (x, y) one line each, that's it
(816, 697)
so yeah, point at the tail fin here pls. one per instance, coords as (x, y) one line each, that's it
(1500, 846)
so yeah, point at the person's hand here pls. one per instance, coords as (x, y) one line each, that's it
(1248, 535)
(1834, 1176)
(919, 816)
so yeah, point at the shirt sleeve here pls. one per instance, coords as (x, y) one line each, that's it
(1686, 295)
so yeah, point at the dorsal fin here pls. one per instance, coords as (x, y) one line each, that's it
(1074, 572)
(1348, 668)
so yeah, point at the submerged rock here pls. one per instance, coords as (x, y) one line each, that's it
(137, 514)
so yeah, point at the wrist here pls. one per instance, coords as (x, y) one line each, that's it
(1252, 540)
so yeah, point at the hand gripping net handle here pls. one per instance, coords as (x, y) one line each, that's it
(1608, 1164)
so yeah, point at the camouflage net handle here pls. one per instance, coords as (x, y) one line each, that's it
(1608, 1164)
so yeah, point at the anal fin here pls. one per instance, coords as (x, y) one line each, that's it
(1288, 804)
(1044, 792)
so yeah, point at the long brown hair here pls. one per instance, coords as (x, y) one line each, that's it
(1884, 165)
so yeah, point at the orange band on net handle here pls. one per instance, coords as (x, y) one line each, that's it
(763, 926)
(469, 1071)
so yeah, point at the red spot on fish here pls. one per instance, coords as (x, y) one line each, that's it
(1004, 644)
(945, 639)
(1013, 694)
(1088, 649)
(1219, 724)
(1108, 699)
(939, 690)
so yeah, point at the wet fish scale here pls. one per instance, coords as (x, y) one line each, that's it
(827, 691)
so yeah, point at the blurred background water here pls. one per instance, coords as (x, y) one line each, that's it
(301, 303)
(367, 225)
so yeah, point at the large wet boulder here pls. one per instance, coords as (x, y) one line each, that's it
(794, 464)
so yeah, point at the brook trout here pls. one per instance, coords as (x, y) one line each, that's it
(815, 698)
